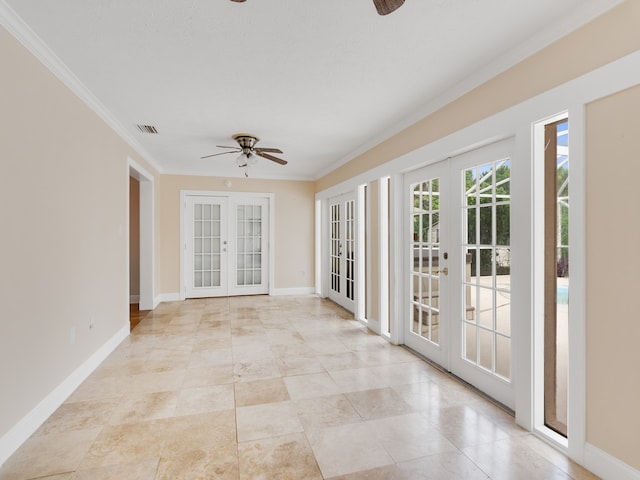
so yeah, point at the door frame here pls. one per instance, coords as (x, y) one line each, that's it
(322, 246)
(147, 299)
(228, 195)
(446, 352)
(341, 299)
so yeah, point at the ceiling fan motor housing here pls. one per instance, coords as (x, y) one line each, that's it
(246, 141)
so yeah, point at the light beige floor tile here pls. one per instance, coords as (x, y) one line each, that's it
(407, 437)
(328, 411)
(79, 416)
(347, 449)
(205, 399)
(157, 382)
(443, 466)
(139, 470)
(293, 350)
(311, 385)
(423, 396)
(261, 391)
(49, 455)
(377, 403)
(101, 389)
(257, 349)
(210, 358)
(385, 355)
(142, 407)
(220, 463)
(341, 361)
(255, 370)
(267, 420)
(357, 379)
(402, 373)
(212, 375)
(327, 346)
(283, 457)
(509, 458)
(62, 476)
(196, 432)
(464, 427)
(126, 443)
(298, 365)
(552, 455)
(283, 336)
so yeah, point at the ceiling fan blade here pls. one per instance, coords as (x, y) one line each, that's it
(385, 7)
(272, 158)
(268, 150)
(215, 155)
(224, 146)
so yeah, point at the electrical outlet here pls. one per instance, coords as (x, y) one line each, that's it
(91, 323)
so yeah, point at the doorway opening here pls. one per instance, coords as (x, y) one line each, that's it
(458, 267)
(142, 182)
(226, 244)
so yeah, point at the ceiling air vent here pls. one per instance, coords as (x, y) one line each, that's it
(147, 129)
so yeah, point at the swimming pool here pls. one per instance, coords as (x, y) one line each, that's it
(562, 295)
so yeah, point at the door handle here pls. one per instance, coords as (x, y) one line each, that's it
(339, 249)
(445, 271)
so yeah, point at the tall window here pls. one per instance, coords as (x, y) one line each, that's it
(556, 274)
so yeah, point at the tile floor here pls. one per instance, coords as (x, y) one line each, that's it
(275, 388)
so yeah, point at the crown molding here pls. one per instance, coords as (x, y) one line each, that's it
(17, 27)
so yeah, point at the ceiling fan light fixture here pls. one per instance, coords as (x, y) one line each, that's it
(242, 160)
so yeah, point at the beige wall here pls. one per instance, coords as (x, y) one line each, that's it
(294, 210)
(609, 37)
(134, 236)
(613, 267)
(63, 210)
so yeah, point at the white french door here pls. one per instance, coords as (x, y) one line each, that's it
(342, 250)
(458, 257)
(226, 242)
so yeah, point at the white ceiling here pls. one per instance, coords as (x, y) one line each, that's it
(321, 79)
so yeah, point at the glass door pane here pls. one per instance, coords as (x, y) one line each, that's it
(425, 273)
(342, 250)
(335, 247)
(248, 245)
(350, 248)
(486, 270)
(205, 246)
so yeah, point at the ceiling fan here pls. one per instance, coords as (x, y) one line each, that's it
(384, 7)
(248, 151)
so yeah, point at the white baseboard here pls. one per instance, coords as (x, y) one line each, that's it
(22, 430)
(134, 299)
(293, 291)
(166, 297)
(607, 466)
(175, 297)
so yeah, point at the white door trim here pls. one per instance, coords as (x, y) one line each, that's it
(147, 299)
(235, 195)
